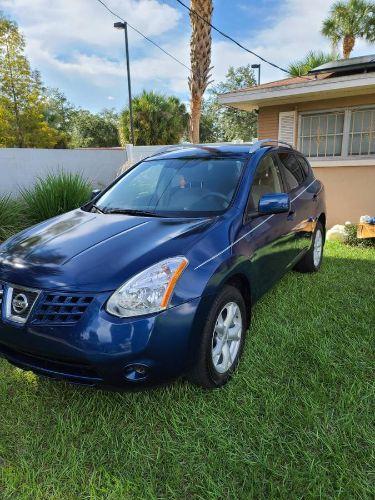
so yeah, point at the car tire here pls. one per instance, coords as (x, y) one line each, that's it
(218, 355)
(312, 260)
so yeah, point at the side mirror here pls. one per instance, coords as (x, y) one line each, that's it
(275, 203)
(95, 193)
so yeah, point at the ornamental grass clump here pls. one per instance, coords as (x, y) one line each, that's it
(54, 195)
(10, 217)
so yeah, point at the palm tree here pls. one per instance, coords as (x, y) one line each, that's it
(349, 21)
(200, 57)
(310, 61)
(158, 119)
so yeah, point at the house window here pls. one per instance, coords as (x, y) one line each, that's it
(362, 132)
(346, 132)
(322, 134)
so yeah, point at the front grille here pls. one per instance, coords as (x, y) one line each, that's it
(61, 308)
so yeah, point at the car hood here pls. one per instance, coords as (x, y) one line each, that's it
(96, 252)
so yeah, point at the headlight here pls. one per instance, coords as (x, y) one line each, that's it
(149, 291)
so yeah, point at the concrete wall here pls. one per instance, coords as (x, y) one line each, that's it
(350, 190)
(20, 167)
(138, 153)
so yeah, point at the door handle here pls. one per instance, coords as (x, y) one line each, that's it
(315, 197)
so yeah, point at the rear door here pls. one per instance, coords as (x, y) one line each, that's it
(298, 180)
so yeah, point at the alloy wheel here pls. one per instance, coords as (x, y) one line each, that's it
(226, 339)
(318, 247)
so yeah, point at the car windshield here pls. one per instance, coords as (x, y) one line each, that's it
(175, 187)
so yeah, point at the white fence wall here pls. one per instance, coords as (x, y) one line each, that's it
(138, 153)
(20, 167)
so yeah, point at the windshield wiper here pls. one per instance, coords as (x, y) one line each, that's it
(97, 208)
(130, 211)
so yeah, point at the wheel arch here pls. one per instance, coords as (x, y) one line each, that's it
(235, 272)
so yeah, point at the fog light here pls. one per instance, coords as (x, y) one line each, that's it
(136, 373)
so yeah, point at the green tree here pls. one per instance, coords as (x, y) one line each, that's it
(348, 21)
(59, 113)
(158, 119)
(22, 122)
(310, 61)
(98, 130)
(227, 124)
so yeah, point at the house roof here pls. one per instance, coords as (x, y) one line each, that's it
(299, 89)
(284, 81)
(343, 65)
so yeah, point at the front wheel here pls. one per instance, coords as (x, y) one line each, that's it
(312, 259)
(222, 340)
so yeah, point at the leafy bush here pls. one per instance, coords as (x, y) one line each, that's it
(352, 240)
(10, 217)
(55, 195)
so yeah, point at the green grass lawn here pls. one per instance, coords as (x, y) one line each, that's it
(296, 421)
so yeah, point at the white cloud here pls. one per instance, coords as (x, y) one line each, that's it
(289, 38)
(74, 42)
(68, 22)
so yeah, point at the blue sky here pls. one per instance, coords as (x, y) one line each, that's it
(74, 46)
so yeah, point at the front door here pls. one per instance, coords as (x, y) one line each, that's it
(265, 238)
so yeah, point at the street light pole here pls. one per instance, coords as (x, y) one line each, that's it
(124, 26)
(257, 66)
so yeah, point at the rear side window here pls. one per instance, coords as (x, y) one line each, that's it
(293, 172)
(305, 165)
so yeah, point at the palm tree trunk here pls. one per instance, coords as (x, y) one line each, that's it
(348, 45)
(195, 118)
(200, 56)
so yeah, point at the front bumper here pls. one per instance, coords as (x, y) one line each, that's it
(99, 349)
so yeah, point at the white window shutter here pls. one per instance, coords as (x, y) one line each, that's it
(287, 126)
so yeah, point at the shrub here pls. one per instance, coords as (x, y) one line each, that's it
(352, 240)
(10, 217)
(55, 195)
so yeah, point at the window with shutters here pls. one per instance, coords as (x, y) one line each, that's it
(340, 133)
(287, 126)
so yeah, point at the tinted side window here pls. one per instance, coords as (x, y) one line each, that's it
(267, 180)
(292, 170)
(305, 165)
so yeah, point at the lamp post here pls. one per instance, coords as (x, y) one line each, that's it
(257, 66)
(124, 26)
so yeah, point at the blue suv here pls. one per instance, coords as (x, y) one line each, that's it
(156, 276)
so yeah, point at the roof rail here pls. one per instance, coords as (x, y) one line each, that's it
(185, 145)
(265, 142)
(166, 149)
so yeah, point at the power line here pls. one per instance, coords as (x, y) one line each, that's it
(233, 40)
(144, 36)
